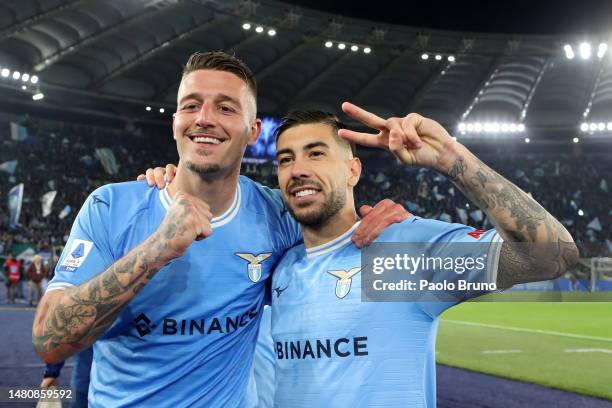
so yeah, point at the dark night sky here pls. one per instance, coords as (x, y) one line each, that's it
(501, 16)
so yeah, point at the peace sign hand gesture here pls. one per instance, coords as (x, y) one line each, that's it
(413, 139)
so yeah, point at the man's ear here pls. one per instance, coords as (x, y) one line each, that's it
(355, 171)
(254, 131)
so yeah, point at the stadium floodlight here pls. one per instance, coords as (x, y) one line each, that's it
(34, 79)
(504, 127)
(161, 110)
(354, 48)
(259, 29)
(585, 50)
(329, 44)
(367, 50)
(575, 140)
(601, 51)
(462, 127)
(5, 72)
(477, 127)
(425, 56)
(451, 58)
(246, 26)
(23, 87)
(527, 140)
(341, 46)
(16, 75)
(470, 127)
(584, 127)
(580, 212)
(38, 96)
(148, 109)
(569, 51)
(438, 57)
(271, 32)
(593, 127)
(601, 126)
(520, 127)
(609, 126)
(25, 77)
(512, 127)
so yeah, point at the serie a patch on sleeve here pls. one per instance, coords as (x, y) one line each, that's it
(76, 256)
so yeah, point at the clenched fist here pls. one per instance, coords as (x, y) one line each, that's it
(187, 220)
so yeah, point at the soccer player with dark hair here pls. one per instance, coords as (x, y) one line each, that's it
(339, 351)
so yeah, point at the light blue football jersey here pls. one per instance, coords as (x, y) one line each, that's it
(333, 350)
(187, 338)
(261, 384)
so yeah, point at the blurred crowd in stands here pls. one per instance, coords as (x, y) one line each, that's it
(59, 156)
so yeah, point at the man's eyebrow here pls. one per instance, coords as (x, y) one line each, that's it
(305, 148)
(193, 95)
(224, 97)
(315, 144)
(283, 151)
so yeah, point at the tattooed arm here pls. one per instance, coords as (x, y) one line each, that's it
(70, 320)
(536, 246)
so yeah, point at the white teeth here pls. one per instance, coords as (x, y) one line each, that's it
(205, 139)
(304, 193)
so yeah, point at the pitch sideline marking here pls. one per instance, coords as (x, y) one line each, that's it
(521, 329)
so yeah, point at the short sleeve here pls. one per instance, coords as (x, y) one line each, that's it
(88, 251)
(475, 257)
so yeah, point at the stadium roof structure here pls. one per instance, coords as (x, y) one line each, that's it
(118, 56)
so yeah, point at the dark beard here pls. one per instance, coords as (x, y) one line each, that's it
(205, 172)
(317, 219)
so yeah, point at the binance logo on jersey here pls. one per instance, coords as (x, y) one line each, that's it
(254, 268)
(345, 280)
(321, 348)
(195, 327)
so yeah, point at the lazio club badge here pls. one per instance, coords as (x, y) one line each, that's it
(345, 280)
(254, 268)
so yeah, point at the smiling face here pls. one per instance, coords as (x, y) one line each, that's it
(315, 173)
(214, 121)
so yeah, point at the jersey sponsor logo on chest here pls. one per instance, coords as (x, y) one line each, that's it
(345, 280)
(254, 267)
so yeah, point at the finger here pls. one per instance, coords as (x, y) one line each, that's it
(150, 177)
(383, 214)
(364, 210)
(141, 177)
(170, 172)
(160, 180)
(410, 125)
(364, 139)
(368, 220)
(362, 115)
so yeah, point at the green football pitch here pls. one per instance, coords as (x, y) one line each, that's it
(558, 344)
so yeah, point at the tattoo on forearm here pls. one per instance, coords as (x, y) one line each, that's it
(520, 219)
(89, 309)
(457, 169)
